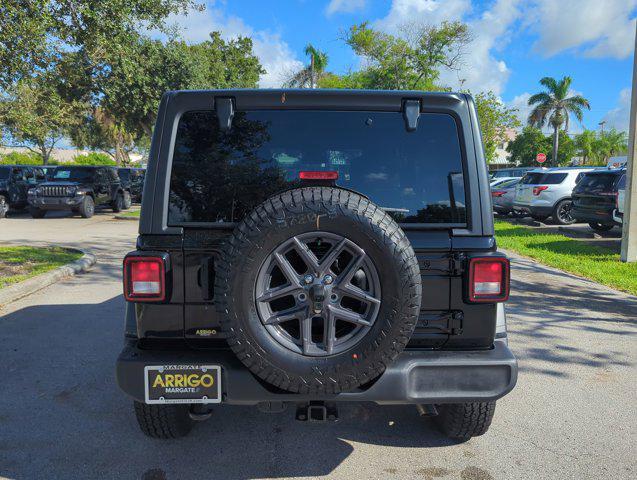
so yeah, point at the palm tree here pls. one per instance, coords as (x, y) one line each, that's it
(555, 106)
(309, 75)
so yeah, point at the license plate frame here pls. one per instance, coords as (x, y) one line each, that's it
(204, 387)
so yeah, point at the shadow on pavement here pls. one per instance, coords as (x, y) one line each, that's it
(559, 311)
(62, 415)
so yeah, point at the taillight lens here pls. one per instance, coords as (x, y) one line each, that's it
(319, 175)
(498, 193)
(538, 190)
(144, 279)
(488, 279)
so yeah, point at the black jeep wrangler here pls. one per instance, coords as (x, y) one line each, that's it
(311, 247)
(79, 189)
(132, 180)
(15, 181)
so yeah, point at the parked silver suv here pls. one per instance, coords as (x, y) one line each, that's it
(546, 192)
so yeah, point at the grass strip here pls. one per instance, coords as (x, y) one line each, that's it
(596, 263)
(19, 263)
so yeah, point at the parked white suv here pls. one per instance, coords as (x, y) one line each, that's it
(546, 192)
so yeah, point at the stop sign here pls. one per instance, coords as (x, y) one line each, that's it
(540, 157)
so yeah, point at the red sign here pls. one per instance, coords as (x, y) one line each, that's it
(540, 157)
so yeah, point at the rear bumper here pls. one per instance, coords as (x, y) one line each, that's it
(586, 215)
(415, 377)
(539, 210)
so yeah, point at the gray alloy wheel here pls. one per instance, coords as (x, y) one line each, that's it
(4, 206)
(318, 294)
(564, 212)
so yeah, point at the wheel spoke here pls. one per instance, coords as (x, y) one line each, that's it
(330, 331)
(350, 290)
(331, 256)
(348, 272)
(306, 255)
(287, 269)
(274, 293)
(306, 334)
(285, 315)
(348, 316)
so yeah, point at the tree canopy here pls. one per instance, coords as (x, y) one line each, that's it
(409, 62)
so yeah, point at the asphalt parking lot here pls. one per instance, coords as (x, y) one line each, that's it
(573, 414)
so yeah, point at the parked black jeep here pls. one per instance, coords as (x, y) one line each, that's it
(595, 198)
(79, 189)
(311, 247)
(132, 180)
(15, 181)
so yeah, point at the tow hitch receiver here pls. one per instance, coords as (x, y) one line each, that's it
(317, 411)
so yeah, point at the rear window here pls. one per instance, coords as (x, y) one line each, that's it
(541, 178)
(597, 182)
(4, 173)
(124, 174)
(219, 176)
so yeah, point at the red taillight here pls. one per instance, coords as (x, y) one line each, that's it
(498, 193)
(144, 279)
(488, 279)
(538, 190)
(319, 175)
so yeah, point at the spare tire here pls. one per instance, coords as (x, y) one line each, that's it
(318, 290)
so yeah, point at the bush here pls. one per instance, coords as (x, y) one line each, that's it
(93, 158)
(22, 158)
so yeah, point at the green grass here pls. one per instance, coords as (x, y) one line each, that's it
(19, 263)
(131, 213)
(599, 264)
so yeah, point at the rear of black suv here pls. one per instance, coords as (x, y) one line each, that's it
(312, 247)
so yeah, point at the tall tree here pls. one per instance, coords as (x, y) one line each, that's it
(310, 75)
(585, 143)
(531, 141)
(495, 119)
(130, 88)
(554, 106)
(34, 33)
(35, 116)
(411, 61)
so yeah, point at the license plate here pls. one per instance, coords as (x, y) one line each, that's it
(183, 384)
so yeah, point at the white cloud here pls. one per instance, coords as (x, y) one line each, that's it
(344, 6)
(619, 117)
(481, 69)
(521, 102)
(275, 54)
(592, 27)
(428, 12)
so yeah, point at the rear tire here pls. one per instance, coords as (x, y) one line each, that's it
(163, 421)
(562, 214)
(4, 206)
(600, 227)
(128, 201)
(462, 421)
(118, 203)
(87, 207)
(37, 212)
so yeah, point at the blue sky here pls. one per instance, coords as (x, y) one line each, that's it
(515, 42)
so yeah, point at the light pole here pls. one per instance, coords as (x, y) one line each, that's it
(629, 229)
(601, 124)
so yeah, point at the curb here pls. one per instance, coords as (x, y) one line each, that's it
(31, 285)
